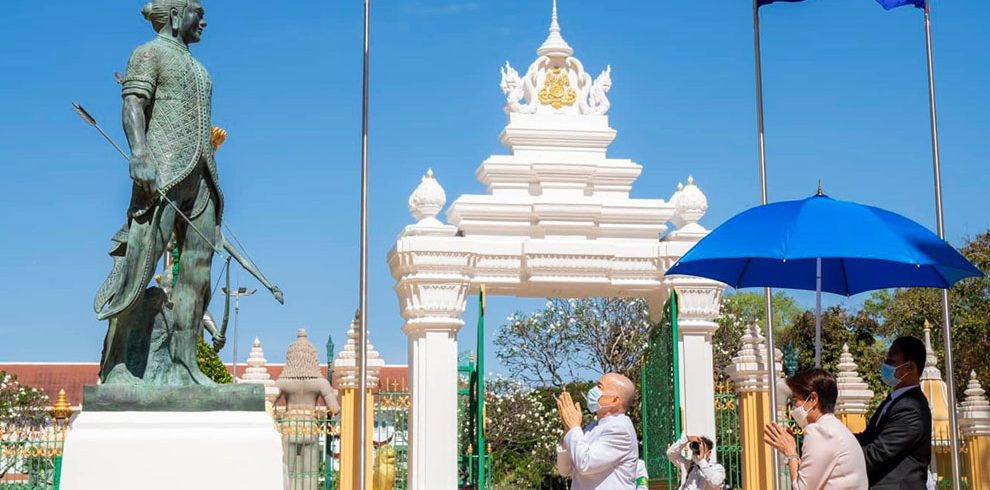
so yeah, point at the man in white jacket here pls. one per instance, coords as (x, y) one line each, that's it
(603, 455)
(698, 470)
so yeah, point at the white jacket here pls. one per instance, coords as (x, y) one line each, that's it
(700, 473)
(601, 458)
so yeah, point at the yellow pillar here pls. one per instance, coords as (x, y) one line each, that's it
(751, 382)
(974, 425)
(349, 464)
(854, 393)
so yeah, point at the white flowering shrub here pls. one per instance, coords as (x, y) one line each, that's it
(21, 405)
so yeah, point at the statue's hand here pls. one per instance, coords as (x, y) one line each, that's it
(278, 295)
(144, 174)
(218, 342)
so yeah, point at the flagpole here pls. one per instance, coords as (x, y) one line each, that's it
(362, 360)
(946, 318)
(767, 292)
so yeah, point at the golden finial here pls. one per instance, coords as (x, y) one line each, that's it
(219, 135)
(820, 193)
(61, 411)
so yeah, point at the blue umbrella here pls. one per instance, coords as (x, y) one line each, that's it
(824, 244)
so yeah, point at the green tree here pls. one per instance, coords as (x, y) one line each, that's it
(740, 309)
(211, 365)
(21, 406)
(840, 327)
(904, 312)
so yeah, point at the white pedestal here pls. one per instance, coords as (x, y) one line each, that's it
(172, 450)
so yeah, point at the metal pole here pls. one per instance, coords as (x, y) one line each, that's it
(818, 312)
(767, 292)
(237, 316)
(362, 360)
(946, 318)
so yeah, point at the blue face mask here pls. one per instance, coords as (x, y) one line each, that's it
(593, 395)
(888, 374)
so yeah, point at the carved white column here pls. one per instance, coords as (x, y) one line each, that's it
(432, 288)
(698, 306)
(974, 412)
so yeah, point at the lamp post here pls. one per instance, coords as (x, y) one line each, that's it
(241, 291)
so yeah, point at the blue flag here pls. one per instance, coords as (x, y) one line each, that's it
(892, 4)
(760, 3)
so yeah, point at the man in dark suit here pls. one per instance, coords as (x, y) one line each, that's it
(897, 443)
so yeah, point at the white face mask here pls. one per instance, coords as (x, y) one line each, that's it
(800, 415)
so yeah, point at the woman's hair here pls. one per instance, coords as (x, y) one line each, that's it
(157, 11)
(818, 381)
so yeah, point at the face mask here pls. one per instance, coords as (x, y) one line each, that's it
(887, 373)
(800, 415)
(593, 395)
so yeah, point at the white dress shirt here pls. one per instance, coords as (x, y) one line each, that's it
(603, 458)
(831, 458)
(699, 474)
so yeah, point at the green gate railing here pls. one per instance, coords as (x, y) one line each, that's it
(728, 434)
(311, 448)
(391, 437)
(660, 403)
(31, 459)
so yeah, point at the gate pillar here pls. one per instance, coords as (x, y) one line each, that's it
(974, 424)
(350, 403)
(748, 373)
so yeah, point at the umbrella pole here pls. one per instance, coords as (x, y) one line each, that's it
(946, 318)
(818, 313)
(767, 292)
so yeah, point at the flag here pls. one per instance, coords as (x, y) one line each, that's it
(892, 4)
(760, 3)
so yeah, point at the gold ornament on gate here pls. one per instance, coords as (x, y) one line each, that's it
(557, 91)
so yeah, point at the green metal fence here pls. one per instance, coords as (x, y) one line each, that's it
(391, 437)
(941, 467)
(311, 447)
(728, 434)
(31, 459)
(661, 407)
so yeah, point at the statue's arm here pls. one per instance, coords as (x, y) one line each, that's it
(138, 90)
(329, 396)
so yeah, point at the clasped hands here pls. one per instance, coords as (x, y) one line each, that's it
(780, 438)
(570, 412)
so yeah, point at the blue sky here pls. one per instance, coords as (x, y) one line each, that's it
(846, 102)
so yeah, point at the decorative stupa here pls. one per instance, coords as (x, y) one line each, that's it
(854, 393)
(346, 361)
(257, 373)
(935, 389)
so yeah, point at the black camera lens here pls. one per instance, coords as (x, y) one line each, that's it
(695, 447)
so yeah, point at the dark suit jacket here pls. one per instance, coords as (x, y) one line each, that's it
(898, 446)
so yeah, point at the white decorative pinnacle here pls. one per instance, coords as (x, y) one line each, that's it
(691, 204)
(931, 370)
(346, 361)
(748, 370)
(555, 46)
(257, 373)
(974, 412)
(854, 393)
(427, 200)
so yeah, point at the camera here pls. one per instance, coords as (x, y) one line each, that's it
(695, 447)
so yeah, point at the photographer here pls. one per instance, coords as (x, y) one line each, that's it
(699, 472)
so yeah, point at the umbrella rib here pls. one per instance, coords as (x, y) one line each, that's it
(743, 273)
(845, 275)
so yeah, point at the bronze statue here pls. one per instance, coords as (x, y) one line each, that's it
(175, 198)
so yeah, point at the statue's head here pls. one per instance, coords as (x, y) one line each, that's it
(182, 18)
(301, 361)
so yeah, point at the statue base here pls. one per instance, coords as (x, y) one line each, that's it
(172, 450)
(195, 398)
